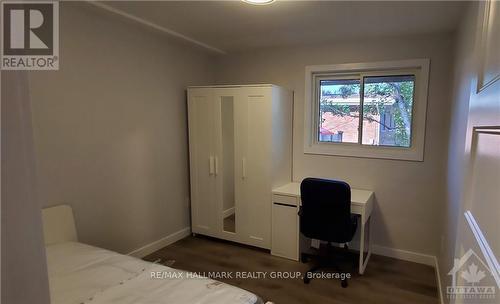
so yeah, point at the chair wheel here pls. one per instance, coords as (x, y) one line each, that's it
(343, 283)
(306, 279)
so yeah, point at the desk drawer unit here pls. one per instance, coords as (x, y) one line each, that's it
(285, 227)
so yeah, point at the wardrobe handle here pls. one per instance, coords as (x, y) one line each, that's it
(211, 165)
(216, 166)
(243, 168)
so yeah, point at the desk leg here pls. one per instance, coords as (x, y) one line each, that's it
(362, 260)
(361, 245)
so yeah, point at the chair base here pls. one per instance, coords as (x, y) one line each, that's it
(322, 265)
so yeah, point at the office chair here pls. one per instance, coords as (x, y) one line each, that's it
(325, 215)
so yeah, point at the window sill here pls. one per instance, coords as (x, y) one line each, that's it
(355, 150)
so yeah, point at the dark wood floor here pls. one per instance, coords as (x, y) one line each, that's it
(386, 280)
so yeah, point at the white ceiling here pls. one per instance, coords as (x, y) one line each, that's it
(233, 26)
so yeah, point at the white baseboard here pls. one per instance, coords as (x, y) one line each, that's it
(228, 212)
(405, 255)
(438, 280)
(165, 241)
(399, 254)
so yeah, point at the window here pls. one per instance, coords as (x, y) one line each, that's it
(386, 109)
(367, 110)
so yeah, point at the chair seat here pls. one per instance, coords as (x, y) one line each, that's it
(330, 235)
(348, 234)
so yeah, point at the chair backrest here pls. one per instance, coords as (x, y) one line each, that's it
(326, 209)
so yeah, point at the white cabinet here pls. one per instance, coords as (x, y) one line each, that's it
(240, 141)
(285, 227)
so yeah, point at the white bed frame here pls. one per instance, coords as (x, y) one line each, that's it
(59, 225)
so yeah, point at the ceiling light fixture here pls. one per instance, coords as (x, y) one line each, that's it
(259, 2)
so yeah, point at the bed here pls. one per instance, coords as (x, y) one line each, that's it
(84, 274)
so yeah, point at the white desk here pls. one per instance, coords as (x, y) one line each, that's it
(285, 236)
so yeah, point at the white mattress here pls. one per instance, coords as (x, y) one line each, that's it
(80, 273)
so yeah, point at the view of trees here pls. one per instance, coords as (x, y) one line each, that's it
(379, 94)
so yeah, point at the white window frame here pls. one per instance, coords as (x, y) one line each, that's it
(418, 67)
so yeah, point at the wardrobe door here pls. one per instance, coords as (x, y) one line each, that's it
(254, 156)
(201, 112)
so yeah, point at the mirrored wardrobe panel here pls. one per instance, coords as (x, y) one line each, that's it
(228, 193)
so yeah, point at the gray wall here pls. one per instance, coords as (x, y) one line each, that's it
(111, 128)
(409, 194)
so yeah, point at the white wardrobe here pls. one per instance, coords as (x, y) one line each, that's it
(240, 147)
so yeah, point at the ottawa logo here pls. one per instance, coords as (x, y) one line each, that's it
(472, 280)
